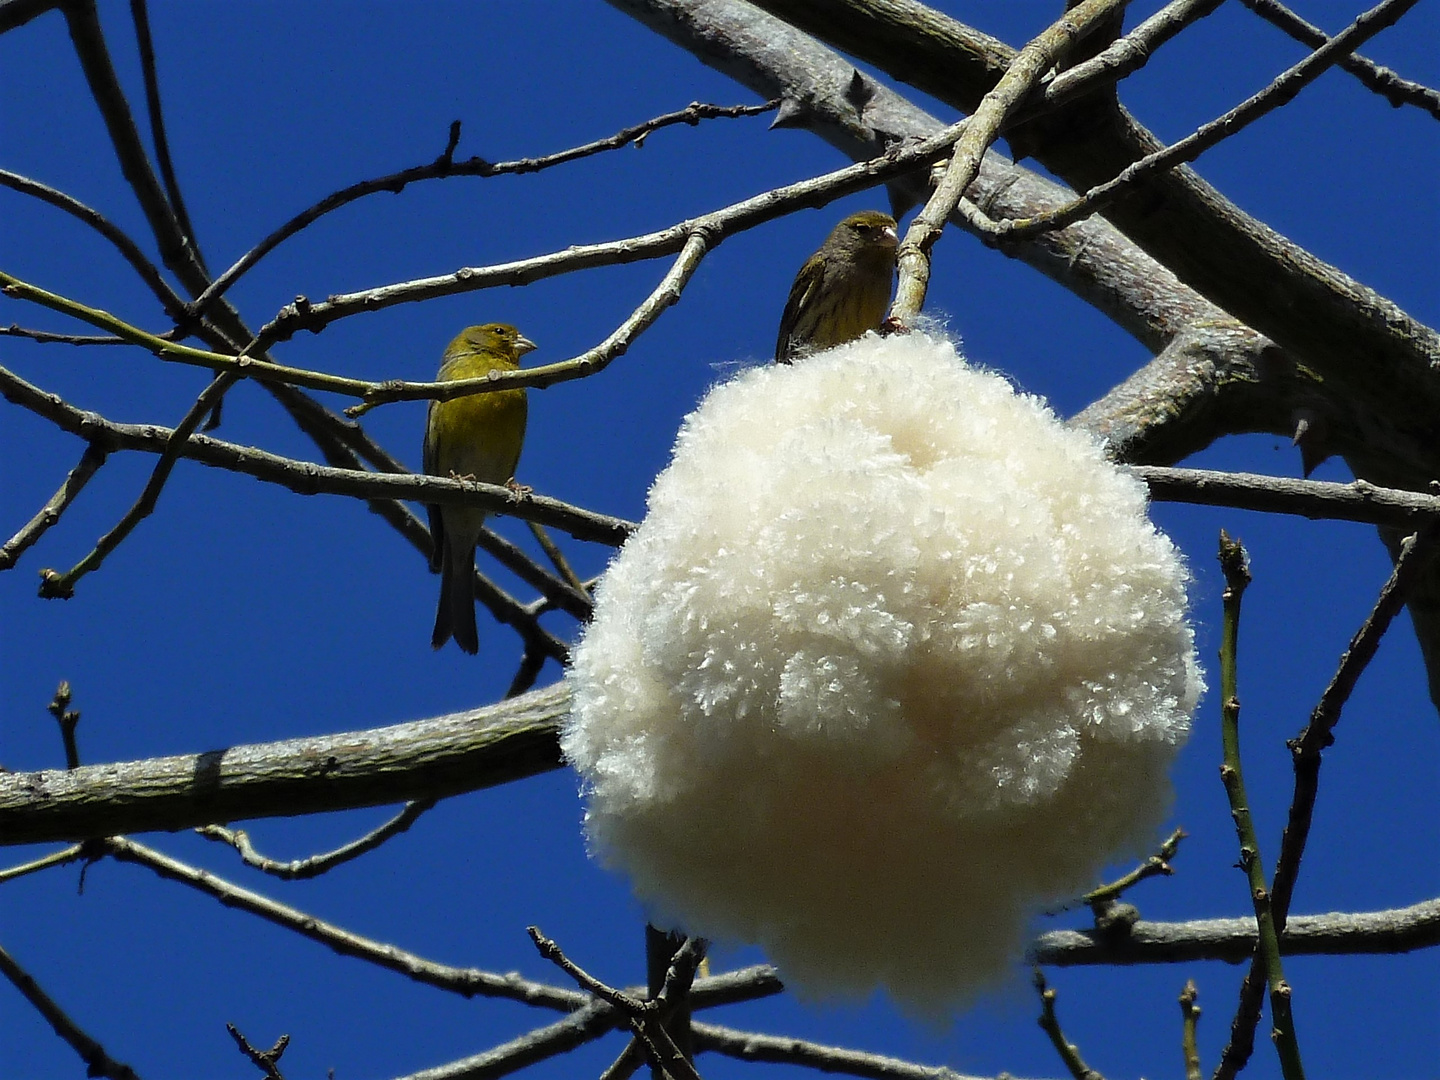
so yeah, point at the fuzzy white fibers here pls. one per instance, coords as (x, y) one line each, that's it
(894, 659)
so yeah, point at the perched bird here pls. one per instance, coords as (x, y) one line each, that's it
(843, 289)
(473, 438)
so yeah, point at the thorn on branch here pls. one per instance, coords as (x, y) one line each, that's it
(860, 92)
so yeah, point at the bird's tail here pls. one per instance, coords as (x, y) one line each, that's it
(455, 614)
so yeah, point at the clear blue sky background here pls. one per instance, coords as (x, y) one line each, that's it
(241, 612)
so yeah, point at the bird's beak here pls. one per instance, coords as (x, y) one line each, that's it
(889, 238)
(523, 345)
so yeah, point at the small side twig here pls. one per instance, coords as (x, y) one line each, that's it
(267, 1061)
(1190, 1019)
(1157, 865)
(68, 719)
(315, 865)
(30, 533)
(97, 1061)
(1235, 565)
(1050, 1024)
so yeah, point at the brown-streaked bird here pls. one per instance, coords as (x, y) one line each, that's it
(843, 289)
(473, 438)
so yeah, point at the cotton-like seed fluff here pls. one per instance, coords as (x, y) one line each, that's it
(894, 660)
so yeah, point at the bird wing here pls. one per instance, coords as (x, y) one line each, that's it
(429, 462)
(807, 284)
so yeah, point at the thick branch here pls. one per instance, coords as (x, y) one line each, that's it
(1353, 335)
(423, 759)
(1233, 940)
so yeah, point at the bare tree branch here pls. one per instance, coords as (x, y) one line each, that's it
(432, 758)
(1382, 80)
(982, 129)
(1233, 940)
(1281, 91)
(468, 982)
(446, 166)
(1248, 269)
(583, 1025)
(49, 514)
(97, 1061)
(784, 1050)
(315, 865)
(307, 478)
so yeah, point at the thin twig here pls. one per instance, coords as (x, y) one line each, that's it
(53, 585)
(315, 865)
(1050, 1024)
(56, 858)
(1305, 750)
(644, 1017)
(129, 250)
(785, 1050)
(531, 662)
(468, 982)
(562, 565)
(1189, 1021)
(982, 129)
(268, 1061)
(1154, 866)
(583, 1025)
(307, 478)
(566, 595)
(140, 14)
(69, 720)
(97, 1061)
(716, 225)
(1120, 58)
(1279, 92)
(1382, 80)
(49, 514)
(446, 166)
(558, 560)
(45, 337)
(1306, 747)
(665, 294)
(1234, 564)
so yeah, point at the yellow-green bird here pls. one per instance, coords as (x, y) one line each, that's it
(843, 289)
(473, 438)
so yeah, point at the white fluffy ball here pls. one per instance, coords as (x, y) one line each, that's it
(894, 659)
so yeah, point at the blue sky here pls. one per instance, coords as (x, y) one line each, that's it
(240, 612)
